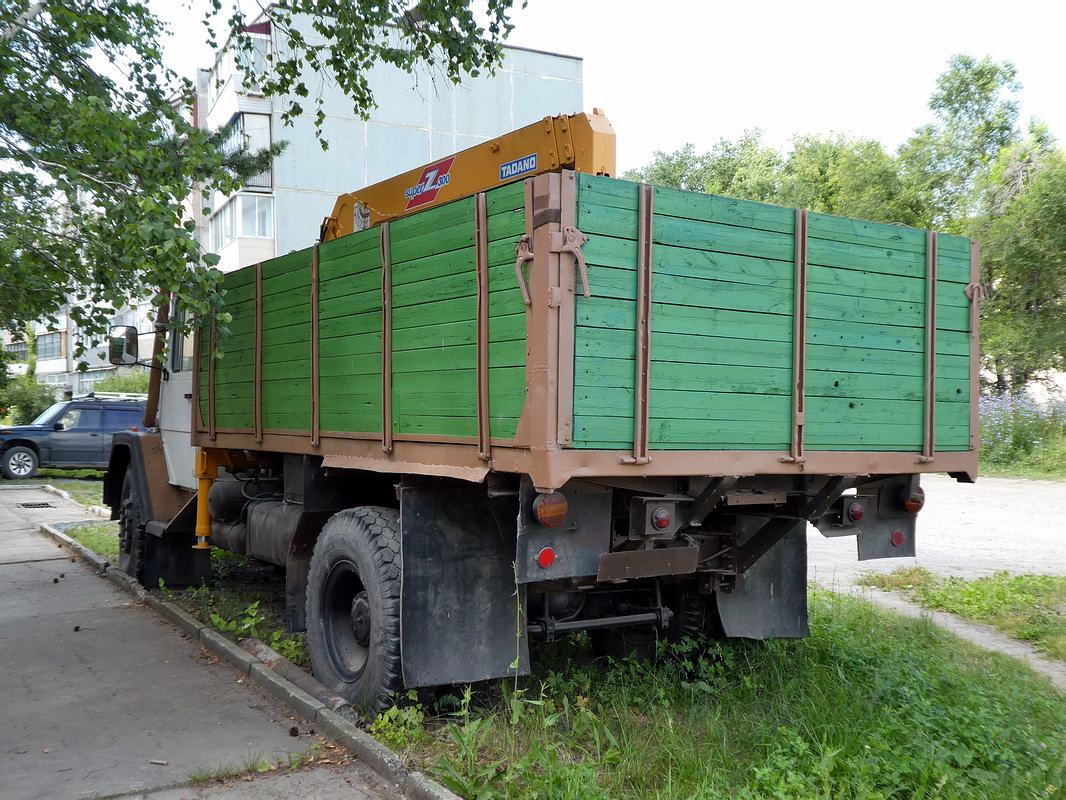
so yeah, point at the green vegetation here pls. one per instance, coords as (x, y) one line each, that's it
(1022, 438)
(1027, 607)
(131, 383)
(972, 170)
(871, 705)
(100, 537)
(244, 598)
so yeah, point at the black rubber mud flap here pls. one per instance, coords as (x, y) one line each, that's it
(460, 618)
(769, 601)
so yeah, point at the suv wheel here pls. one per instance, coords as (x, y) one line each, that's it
(19, 462)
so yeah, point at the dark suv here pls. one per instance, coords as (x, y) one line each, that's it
(71, 433)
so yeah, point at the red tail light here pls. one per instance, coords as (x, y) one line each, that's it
(856, 511)
(545, 558)
(550, 510)
(913, 502)
(660, 519)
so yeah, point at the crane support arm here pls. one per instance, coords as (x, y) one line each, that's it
(581, 142)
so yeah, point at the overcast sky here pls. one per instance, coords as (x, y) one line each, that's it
(668, 73)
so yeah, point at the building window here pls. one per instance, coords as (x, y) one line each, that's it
(254, 65)
(250, 131)
(87, 380)
(18, 351)
(49, 345)
(257, 216)
(223, 227)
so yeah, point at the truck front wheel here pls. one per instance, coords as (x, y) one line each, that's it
(353, 606)
(130, 532)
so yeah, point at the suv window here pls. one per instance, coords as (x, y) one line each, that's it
(120, 419)
(80, 417)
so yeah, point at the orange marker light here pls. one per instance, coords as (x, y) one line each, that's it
(550, 510)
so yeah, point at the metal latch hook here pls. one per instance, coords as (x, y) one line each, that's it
(524, 253)
(570, 241)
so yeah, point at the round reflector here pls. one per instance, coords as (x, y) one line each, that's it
(913, 502)
(545, 558)
(856, 512)
(897, 538)
(660, 518)
(550, 509)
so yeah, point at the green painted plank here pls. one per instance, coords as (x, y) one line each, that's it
(619, 372)
(435, 426)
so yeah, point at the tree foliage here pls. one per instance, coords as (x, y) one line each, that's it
(98, 157)
(969, 171)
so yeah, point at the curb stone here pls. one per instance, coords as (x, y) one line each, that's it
(385, 762)
(288, 693)
(224, 648)
(418, 786)
(382, 760)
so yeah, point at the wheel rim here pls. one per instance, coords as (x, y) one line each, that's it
(347, 620)
(20, 464)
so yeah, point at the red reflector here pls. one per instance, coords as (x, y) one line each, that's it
(897, 538)
(550, 509)
(856, 512)
(545, 558)
(913, 502)
(660, 519)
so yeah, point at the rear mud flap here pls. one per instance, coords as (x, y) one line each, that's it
(461, 619)
(769, 601)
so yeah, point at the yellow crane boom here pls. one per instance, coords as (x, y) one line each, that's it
(581, 142)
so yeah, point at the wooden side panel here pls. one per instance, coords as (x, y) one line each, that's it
(721, 321)
(722, 327)
(434, 330)
(286, 370)
(507, 312)
(866, 338)
(235, 368)
(350, 334)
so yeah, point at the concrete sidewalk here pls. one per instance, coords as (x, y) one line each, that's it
(100, 697)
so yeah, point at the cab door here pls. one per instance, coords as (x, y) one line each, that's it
(77, 438)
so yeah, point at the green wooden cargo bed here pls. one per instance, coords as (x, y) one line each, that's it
(719, 336)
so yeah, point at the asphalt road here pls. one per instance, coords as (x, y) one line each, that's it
(968, 530)
(102, 698)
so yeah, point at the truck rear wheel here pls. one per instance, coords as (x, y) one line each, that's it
(353, 606)
(130, 532)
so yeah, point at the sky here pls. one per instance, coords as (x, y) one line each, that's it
(668, 73)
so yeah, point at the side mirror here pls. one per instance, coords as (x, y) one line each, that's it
(122, 345)
(58, 426)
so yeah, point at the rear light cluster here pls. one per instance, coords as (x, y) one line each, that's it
(660, 519)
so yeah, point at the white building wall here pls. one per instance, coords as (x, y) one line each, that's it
(420, 116)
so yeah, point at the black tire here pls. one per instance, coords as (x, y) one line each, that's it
(695, 617)
(19, 462)
(130, 532)
(353, 607)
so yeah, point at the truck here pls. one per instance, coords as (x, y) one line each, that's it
(509, 396)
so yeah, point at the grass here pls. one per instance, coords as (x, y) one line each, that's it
(244, 598)
(870, 706)
(1027, 607)
(100, 537)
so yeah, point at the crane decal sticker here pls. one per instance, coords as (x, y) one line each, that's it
(434, 177)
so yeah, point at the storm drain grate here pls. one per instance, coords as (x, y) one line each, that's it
(36, 505)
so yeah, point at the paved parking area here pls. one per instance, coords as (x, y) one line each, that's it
(103, 698)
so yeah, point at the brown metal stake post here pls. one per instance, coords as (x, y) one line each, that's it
(386, 339)
(481, 220)
(316, 400)
(799, 341)
(642, 375)
(929, 438)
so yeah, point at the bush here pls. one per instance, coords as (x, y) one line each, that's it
(1020, 433)
(25, 399)
(130, 383)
